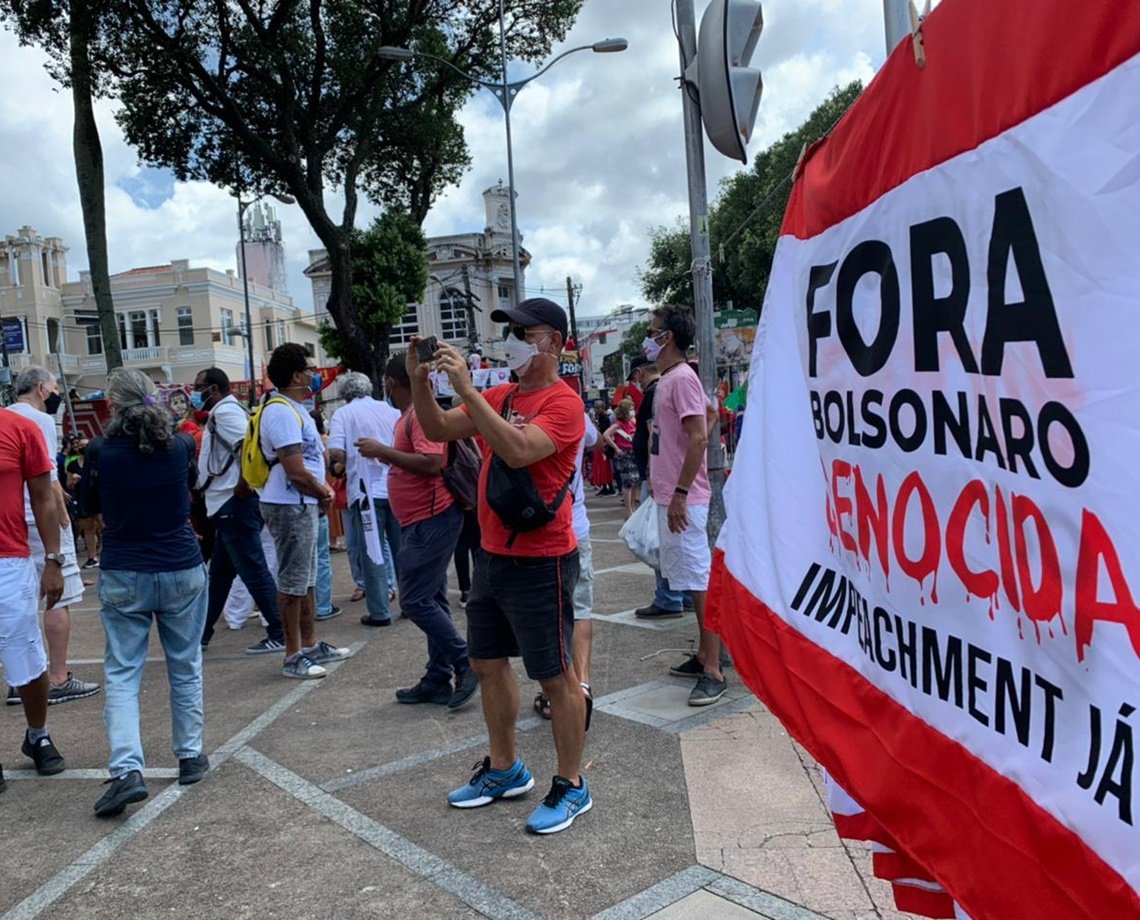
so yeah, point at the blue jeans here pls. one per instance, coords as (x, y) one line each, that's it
(353, 549)
(238, 552)
(390, 531)
(324, 568)
(177, 603)
(374, 576)
(425, 551)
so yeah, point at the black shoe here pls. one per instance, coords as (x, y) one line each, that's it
(366, 620)
(13, 698)
(463, 599)
(91, 563)
(425, 692)
(466, 683)
(3, 782)
(192, 769)
(653, 612)
(690, 667)
(707, 691)
(334, 611)
(124, 791)
(47, 759)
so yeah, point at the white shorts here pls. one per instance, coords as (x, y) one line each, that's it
(72, 576)
(21, 643)
(686, 559)
(584, 589)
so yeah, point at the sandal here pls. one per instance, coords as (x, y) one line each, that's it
(357, 595)
(589, 703)
(542, 705)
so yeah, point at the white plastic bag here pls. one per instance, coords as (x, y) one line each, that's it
(640, 534)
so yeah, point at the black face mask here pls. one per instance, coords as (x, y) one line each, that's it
(51, 404)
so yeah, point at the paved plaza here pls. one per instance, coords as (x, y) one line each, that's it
(327, 798)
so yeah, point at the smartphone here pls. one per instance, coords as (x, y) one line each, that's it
(425, 349)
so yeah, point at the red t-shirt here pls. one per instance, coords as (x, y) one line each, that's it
(557, 410)
(23, 456)
(413, 497)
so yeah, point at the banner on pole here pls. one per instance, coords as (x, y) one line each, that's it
(935, 584)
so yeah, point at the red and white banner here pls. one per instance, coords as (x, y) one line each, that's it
(935, 584)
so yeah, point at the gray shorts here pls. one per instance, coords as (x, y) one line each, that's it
(584, 590)
(294, 531)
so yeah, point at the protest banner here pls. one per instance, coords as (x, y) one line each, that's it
(934, 585)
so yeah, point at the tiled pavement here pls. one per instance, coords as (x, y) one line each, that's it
(326, 799)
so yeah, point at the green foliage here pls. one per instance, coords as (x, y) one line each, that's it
(744, 221)
(389, 271)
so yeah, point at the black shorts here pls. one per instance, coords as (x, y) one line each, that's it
(524, 606)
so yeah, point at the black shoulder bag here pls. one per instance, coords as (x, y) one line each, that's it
(513, 496)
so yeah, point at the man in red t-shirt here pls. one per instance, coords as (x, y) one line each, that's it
(24, 460)
(430, 523)
(522, 594)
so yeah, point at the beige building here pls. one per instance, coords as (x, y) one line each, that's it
(478, 262)
(173, 319)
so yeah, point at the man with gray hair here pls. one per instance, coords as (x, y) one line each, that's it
(365, 418)
(38, 399)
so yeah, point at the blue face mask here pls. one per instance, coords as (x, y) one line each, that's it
(315, 383)
(197, 400)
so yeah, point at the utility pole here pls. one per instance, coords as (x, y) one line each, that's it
(472, 331)
(896, 18)
(702, 273)
(574, 333)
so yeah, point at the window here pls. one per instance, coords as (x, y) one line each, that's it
(185, 326)
(90, 322)
(269, 335)
(14, 269)
(122, 330)
(601, 338)
(136, 331)
(53, 336)
(281, 332)
(228, 327)
(408, 326)
(46, 259)
(453, 315)
(155, 322)
(504, 297)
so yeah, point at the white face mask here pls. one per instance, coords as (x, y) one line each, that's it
(650, 349)
(519, 354)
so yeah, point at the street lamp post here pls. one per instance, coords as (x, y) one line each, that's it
(506, 91)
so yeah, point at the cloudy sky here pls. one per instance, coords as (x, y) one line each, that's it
(598, 144)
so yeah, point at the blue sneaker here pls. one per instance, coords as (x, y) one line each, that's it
(487, 785)
(561, 806)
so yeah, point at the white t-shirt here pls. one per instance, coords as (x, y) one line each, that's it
(364, 417)
(581, 520)
(283, 426)
(225, 430)
(46, 425)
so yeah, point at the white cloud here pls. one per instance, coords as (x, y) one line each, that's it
(598, 144)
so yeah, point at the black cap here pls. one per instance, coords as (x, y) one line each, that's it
(635, 364)
(534, 311)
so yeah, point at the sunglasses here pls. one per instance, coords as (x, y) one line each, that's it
(519, 332)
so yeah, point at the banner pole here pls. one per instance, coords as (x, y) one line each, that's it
(896, 19)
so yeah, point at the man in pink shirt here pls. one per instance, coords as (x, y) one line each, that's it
(678, 479)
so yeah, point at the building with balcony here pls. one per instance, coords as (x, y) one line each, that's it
(601, 336)
(479, 263)
(173, 319)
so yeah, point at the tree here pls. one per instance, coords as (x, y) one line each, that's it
(613, 367)
(80, 49)
(744, 221)
(389, 271)
(294, 98)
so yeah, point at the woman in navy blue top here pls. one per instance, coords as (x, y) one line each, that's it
(139, 478)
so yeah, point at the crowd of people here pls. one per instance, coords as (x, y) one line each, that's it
(494, 480)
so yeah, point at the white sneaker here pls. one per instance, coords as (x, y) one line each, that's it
(302, 668)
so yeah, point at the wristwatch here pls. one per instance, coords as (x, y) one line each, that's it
(57, 558)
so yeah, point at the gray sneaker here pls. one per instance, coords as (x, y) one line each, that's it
(707, 691)
(71, 689)
(302, 668)
(322, 652)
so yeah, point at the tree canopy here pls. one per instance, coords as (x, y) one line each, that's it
(389, 271)
(744, 221)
